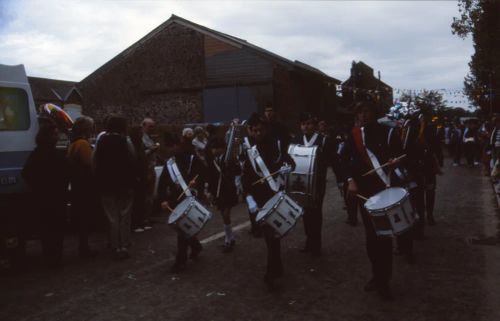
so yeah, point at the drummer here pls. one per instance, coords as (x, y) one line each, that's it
(274, 157)
(368, 145)
(313, 216)
(168, 193)
(222, 187)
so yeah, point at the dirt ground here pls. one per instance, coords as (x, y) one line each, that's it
(454, 278)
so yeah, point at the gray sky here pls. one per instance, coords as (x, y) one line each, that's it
(410, 42)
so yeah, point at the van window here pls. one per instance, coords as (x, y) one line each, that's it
(14, 109)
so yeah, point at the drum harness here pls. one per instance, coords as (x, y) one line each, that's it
(176, 175)
(262, 170)
(375, 163)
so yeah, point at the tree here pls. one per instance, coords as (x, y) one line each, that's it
(431, 102)
(481, 19)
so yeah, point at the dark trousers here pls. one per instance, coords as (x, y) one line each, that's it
(273, 244)
(83, 208)
(457, 152)
(139, 207)
(52, 232)
(183, 244)
(423, 198)
(352, 204)
(255, 228)
(379, 251)
(313, 221)
(470, 150)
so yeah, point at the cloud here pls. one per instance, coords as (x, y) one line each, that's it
(409, 42)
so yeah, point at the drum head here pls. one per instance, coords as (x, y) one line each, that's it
(385, 199)
(179, 210)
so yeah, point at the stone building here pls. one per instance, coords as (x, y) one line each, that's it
(363, 82)
(182, 72)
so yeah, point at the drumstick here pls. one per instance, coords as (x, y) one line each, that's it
(362, 197)
(263, 179)
(190, 183)
(384, 165)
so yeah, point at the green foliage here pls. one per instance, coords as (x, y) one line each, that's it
(481, 20)
(431, 103)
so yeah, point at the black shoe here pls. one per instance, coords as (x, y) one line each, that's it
(178, 268)
(233, 243)
(87, 253)
(227, 248)
(195, 253)
(371, 286)
(352, 223)
(269, 281)
(385, 292)
(316, 253)
(305, 249)
(398, 253)
(257, 233)
(410, 259)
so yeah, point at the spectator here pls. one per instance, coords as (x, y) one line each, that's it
(141, 188)
(46, 173)
(150, 148)
(83, 190)
(456, 143)
(115, 173)
(470, 140)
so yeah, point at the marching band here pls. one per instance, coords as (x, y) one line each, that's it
(389, 168)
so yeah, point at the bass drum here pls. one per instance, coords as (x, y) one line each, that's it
(301, 183)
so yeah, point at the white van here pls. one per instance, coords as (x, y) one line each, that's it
(18, 128)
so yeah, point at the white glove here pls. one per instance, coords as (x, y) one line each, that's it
(252, 205)
(285, 170)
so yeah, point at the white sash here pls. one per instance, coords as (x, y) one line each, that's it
(309, 143)
(375, 163)
(257, 161)
(176, 176)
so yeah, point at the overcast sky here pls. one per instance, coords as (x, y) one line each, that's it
(410, 42)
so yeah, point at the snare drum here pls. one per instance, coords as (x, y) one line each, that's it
(281, 213)
(391, 211)
(301, 183)
(190, 216)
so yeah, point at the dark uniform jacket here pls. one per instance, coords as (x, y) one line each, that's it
(190, 166)
(422, 152)
(227, 196)
(354, 163)
(274, 156)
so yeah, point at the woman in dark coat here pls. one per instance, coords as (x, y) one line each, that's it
(46, 173)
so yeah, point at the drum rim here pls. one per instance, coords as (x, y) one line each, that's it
(405, 197)
(188, 208)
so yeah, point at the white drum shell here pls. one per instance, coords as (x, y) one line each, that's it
(301, 183)
(281, 213)
(391, 211)
(189, 216)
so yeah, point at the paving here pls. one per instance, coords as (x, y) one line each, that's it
(456, 276)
